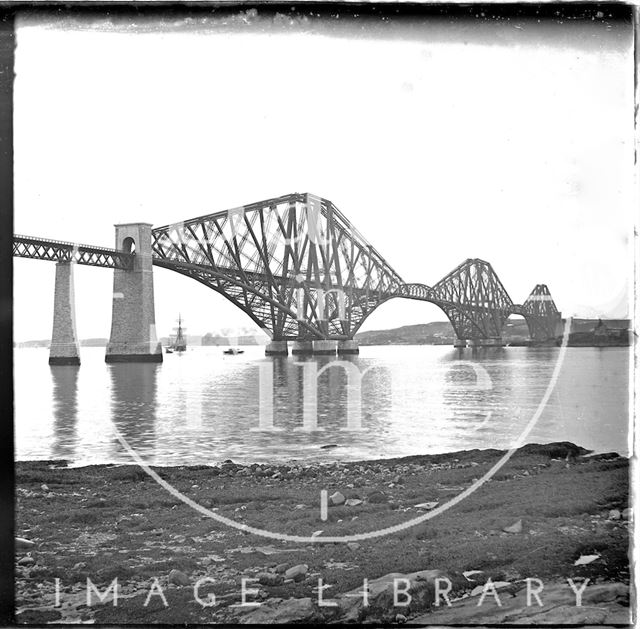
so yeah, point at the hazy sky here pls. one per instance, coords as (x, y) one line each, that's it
(440, 140)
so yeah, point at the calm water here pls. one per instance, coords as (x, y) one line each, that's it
(203, 407)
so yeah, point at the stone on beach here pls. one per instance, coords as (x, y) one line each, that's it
(336, 499)
(626, 514)
(281, 568)
(427, 506)
(376, 497)
(353, 502)
(270, 578)
(22, 543)
(421, 589)
(280, 611)
(615, 514)
(516, 527)
(177, 577)
(297, 573)
(471, 573)
(584, 560)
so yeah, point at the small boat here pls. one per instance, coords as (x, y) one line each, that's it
(233, 351)
(168, 350)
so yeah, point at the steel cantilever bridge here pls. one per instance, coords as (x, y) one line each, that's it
(301, 271)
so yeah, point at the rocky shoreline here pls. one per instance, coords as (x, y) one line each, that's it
(552, 517)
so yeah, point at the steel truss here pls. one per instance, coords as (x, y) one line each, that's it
(294, 264)
(542, 317)
(58, 251)
(298, 268)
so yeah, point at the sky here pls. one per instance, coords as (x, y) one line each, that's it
(440, 139)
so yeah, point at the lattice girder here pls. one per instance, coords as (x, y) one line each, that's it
(541, 314)
(58, 251)
(297, 255)
(474, 299)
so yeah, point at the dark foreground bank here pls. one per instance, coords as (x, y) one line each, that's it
(548, 509)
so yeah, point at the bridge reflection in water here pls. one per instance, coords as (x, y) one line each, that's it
(134, 406)
(65, 411)
(203, 408)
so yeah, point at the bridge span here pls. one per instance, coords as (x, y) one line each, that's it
(293, 264)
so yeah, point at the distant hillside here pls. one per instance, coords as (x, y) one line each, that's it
(436, 333)
(515, 331)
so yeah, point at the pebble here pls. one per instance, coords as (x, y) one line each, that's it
(336, 499)
(626, 514)
(177, 577)
(297, 573)
(614, 514)
(23, 543)
(281, 568)
(26, 561)
(376, 497)
(269, 578)
(516, 527)
(427, 506)
(353, 545)
(353, 502)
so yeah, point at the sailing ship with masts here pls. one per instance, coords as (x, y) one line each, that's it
(178, 342)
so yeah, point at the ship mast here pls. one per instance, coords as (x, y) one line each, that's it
(180, 342)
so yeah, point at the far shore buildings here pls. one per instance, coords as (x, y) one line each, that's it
(601, 332)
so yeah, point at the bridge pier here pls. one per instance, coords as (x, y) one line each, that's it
(302, 348)
(460, 343)
(276, 348)
(491, 342)
(64, 349)
(325, 348)
(133, 323)
(348, 347)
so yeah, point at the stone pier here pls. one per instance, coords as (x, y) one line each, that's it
(460, 343)
(301, 348)
(133, 323)
(491, 342)
(65, 349)
(348, 347)
(276, 348)
(327, 348)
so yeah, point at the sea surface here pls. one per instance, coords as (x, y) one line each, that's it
(203, 407)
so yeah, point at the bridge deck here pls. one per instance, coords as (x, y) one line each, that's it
(59, 251)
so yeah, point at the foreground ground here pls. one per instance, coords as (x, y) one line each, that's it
(546, 509)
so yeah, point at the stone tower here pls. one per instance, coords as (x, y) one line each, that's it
(133, 322)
